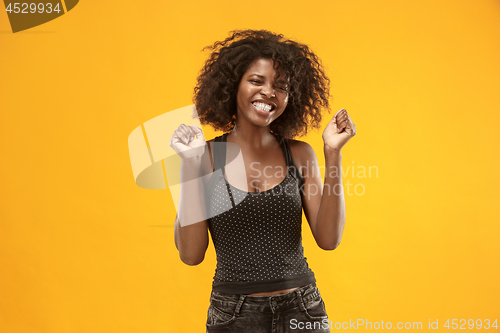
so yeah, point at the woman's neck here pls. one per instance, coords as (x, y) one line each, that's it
(251, 136)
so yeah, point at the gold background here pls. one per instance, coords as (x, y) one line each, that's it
(84, 249)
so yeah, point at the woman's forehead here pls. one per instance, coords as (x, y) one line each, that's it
(264, 66)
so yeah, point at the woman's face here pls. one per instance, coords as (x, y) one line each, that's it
(260, 99)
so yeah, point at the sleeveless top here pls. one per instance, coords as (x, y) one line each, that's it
(257, 236)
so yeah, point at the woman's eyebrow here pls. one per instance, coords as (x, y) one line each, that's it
(262, 77)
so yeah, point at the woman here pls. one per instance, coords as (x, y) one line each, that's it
(262, 90)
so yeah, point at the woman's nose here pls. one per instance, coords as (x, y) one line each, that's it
(268, 91)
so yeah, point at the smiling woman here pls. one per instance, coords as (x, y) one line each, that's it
(300, 73)
(262, 90)
(259, 99)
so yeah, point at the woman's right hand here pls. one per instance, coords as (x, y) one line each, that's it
(184, 143)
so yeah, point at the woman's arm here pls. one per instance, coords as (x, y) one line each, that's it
(324, 205)
(191, 227)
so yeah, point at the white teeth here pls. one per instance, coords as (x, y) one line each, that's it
(262, 106)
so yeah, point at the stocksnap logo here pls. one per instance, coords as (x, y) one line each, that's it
(26, 15)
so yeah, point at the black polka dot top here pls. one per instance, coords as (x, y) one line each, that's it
(257, 236)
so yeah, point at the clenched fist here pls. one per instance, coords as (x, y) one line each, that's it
(188, 141)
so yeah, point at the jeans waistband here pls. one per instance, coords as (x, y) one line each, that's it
(293, 298)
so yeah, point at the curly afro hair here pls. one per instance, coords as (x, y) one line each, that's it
(218, 81)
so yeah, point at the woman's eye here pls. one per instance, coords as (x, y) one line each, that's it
(255, 81)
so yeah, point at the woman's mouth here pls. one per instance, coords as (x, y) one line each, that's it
(263, 106)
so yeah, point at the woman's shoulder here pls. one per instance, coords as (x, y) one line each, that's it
(301, 148)
(302, 152)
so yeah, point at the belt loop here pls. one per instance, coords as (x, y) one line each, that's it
(239, 305)
(300, 300)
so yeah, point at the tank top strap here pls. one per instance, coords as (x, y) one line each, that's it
(220, 162)
(290, 164)
(219, 159)
(286, 151)
(219, 152)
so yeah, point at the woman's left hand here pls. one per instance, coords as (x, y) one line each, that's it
(338, 131)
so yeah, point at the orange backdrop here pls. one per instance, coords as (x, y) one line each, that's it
(84, 249)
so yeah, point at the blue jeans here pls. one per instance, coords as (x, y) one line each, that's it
(301, 310)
